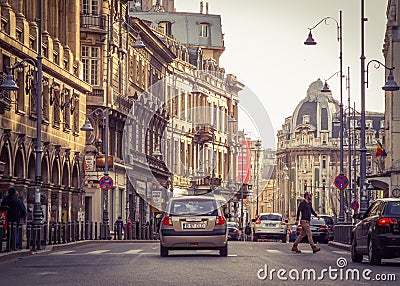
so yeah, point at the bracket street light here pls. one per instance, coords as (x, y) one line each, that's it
(390, 85)
(310, 41)
(10, 85)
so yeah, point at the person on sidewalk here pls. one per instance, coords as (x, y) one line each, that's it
(247, 232)
(119, 227)
(16, 211)
(306, 209)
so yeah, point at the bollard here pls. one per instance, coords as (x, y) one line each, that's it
(119, 232)
(59, 233)
(38, 236)
(13, 235)
(33, 238)
(69, 231)
(46, 229)
(82, 230)
(134, 230)
(50, 234)
(28, 236)
(19, 246)
(95, 230)
(64, 231)
(1, 236)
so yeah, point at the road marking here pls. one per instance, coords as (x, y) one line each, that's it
(61, 252)
(98, 251)
(341, 252)
(232, 255)
(273, 251)
(132, 251)
(203, 251)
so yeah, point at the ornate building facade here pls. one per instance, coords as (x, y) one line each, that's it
(63, 106)
(308, 153)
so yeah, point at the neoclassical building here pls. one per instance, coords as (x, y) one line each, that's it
(308, 153)
(63, 107)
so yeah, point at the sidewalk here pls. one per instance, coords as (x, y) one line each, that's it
(339, 245)
(17, 254)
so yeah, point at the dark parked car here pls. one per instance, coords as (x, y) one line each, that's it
(292, 233)
(234, 232)
(378, 233)
(319, 231)
(330, 223)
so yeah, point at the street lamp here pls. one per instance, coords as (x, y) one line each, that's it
(10, 85)
(310, 41)
(256, 169)
(390, 85)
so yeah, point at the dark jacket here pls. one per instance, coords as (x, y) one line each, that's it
(119, 222)
(247, 230)
(16, 208)
(306, 210)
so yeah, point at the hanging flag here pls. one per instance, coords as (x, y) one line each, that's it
(380, 150)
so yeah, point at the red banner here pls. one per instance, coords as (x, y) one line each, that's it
(244, 161)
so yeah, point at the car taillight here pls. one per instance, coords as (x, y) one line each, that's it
(258, 222)
(322, 228)
(235, 230)
(220, 220)
(385, 221)
(283, 223)
(167, 221)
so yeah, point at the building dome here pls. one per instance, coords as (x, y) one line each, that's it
(316, 111)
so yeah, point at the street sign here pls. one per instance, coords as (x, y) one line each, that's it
(341, 182)
(106, 183)
(355, 205)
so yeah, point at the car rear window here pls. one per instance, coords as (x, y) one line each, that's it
(328, 220)
(193, 207)
(393, 208)
(270, 217)
(317, 222)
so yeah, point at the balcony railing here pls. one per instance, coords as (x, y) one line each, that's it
(93, 21)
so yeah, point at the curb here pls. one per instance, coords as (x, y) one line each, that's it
(6, 256)
(339, 245)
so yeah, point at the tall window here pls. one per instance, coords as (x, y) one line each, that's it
(90, 7)
(204, 30)
(91, 64)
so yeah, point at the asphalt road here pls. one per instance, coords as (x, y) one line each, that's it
(248, 263)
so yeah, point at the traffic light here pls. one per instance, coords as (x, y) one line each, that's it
(305, 186)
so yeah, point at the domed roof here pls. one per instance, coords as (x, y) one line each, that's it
(316, 111)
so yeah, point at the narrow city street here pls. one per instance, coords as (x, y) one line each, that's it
(140, 264)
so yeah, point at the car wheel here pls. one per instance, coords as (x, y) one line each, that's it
(355, 257)
(373, 256)
(224, 251)
(163, 251)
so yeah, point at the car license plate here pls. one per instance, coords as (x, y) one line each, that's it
(193, 225)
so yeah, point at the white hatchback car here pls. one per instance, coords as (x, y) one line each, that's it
(270, 226)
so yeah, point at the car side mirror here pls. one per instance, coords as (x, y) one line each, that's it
(253, 219)
(357, 216)
(286, 220)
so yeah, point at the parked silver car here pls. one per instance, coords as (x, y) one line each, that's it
(270, 226)
(193, 222)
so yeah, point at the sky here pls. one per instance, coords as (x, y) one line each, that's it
(264, 48)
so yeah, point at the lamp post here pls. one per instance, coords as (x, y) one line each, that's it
(10, 85)
(258, 145)
(310, 41)
(390, 85)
